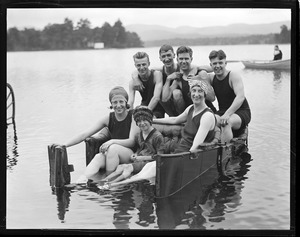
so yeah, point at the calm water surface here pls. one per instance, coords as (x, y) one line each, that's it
(61, 93)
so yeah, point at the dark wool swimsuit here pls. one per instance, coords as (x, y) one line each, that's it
(225, 96)
(119, 129)
(147, 95)
(186, 94)
(153, 144)
(190, 130)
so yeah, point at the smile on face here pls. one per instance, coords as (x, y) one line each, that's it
(144, 125)
(118, 104)
(218, 65)
(167, 58)
(184, 60)
(142, 65)
(197, 94)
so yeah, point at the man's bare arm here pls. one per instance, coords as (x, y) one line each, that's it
(136, 82)
(206, 68)
(170, 85)
(157, 90)
(131, 94)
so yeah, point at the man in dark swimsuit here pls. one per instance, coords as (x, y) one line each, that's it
(152, 83)
(234, 112)
(187, 72)
(176, 103)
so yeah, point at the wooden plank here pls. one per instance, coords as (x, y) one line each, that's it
(51, 166)
(66, 177)
(59, 167)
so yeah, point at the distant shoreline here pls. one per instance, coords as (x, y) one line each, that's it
(15, 51)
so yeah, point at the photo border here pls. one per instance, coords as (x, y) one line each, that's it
(293, 5)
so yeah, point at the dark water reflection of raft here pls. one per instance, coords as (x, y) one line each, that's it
(206, 198)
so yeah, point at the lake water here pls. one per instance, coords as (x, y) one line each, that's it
(61, 93)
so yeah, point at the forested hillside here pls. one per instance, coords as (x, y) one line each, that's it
(66, 36)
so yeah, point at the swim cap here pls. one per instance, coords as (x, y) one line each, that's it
(120, 91)
(199, 83)
(142, 113)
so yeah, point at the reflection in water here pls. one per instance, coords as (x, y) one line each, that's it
(226, 194)
(138, 196)
(63, 201)
(123, 203)
(11, 145)
(206, 199)
(63, 198)
(144, 199)
(277, 75)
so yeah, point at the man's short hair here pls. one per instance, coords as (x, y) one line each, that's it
(140, 55)
(184, 49)
(217, 54)
(165, 48)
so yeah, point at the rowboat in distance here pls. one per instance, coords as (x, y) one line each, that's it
(267, 64)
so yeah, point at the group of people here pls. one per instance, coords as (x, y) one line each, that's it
(185, 93)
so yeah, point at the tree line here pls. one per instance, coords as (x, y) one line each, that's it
(66, 36)
(283, 37)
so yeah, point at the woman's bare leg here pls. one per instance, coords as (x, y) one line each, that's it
(96, 163)
(117, 154)
(119, 170)
(128, 169)
(148, 172)
(93, 168)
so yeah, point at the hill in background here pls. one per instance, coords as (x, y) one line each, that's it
(157, 32)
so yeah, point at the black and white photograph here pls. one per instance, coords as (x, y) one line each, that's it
(150, 118)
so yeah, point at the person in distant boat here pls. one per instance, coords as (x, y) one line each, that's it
(152, 82)
(122, 129)
(174, 94)
(277, 53)
(234, 113)
(149, 142)
(200, 123)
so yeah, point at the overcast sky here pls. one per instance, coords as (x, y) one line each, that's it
(170, 17)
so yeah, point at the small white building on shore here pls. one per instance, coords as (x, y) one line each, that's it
(96, 45)
(99, 45)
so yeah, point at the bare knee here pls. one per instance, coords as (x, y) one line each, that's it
(113, 149)
(235, 121)
(98, 159)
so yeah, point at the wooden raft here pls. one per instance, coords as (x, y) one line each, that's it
(59, 167)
